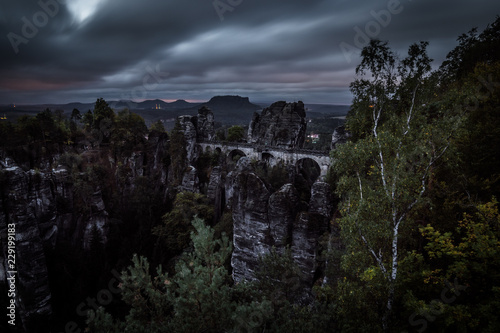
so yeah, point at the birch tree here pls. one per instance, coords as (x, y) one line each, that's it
(385, 170)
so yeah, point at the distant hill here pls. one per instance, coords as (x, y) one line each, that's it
(228, 110)
(321, 110)
(180, 104)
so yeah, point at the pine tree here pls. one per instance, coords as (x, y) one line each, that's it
(199, 297)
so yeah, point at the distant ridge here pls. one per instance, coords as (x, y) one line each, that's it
(180, 104)
(230, 109)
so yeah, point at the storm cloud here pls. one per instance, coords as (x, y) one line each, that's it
(64, 51)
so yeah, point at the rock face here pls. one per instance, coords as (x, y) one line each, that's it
(41, 205)
(197, 129)
(215, 191)
(205, 124)
(308, 228)
(190, 181)
(248, 199)
(262, 219)
(339, 136)
(29, 201)
(188, 125)
(282, 125)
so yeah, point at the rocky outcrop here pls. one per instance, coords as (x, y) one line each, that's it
(29, 200)
(197, 129)
(248, 199)
(188, 125)
(284, 205)
(190, 181)
(262, 219)
(205, 125)
(215, 191)
(42, 205)
(156, 153)
(281, 124)
(339, 136)
(308, 229)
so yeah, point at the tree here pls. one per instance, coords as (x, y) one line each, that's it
(176, 227)
(197, 298)
(473, 49)
(157, 126)
(466, 261)
(75, 117)
(102, 122)
(88, 120)
(385, 170)
(129, 132)
(235, 133)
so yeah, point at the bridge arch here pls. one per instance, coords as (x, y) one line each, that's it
(234, 155)
(308, 168)
(268, 158)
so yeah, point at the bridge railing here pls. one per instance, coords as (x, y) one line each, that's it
(264, 148)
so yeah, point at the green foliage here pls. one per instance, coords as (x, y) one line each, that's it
(220, 135)
(470, 256)
(129, 133)
(225, 224)
(473, 48)
(99, 122)
(235, 134)
(197, 298)
(384, 172)
(423, 151)
(204, 163)
(157, 126)
(176, 228)
(71, 161)
(278, 277)
(202, 293)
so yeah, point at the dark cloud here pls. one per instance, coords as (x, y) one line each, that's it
(263, 49)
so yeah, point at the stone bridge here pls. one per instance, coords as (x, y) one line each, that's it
(272, 155)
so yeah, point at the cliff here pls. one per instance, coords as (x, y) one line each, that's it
(281, 124)
(59, 207)
(263, 219)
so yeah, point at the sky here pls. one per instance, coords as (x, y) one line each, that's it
(61, 51)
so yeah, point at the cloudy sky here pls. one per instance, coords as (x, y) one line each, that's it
(59, 51)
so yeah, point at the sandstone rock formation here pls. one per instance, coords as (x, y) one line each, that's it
(282, 124)
(262, 219)
(339, 136)
(197, 129)
(205, 127)
(29, 201)
(41, 205)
